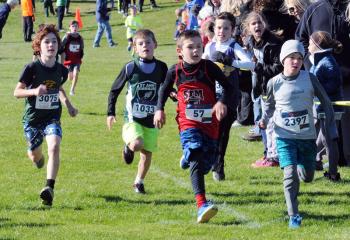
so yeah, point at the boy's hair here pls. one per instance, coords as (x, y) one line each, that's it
(323, 40)
(144, 33)
(43, 31)
(227, 16)
(188, 34)
(73, 22)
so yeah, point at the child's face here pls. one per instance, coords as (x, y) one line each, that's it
(312, 47)
(73, 28)
(144, 47)
(191, 50)
(223, 30)
(256, 28)
(132, 11)
(49, 46)
(292, 64)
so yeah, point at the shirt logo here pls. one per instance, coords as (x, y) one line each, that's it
(146, 91)
(194, 96)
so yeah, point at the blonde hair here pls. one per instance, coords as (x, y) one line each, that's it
(299, 4)
(232, 6)
(144, 33)
(250, 17)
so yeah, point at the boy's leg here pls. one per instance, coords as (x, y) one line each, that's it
(225, 128)
(291, 188)
(143, 167)
(34, 138)
(74, 76)
(53, 139)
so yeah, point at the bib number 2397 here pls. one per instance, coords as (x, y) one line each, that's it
(47, 101)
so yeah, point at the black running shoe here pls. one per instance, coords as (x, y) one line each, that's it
(128, 155)
(139, 188)
(332, 177)
(46, 195)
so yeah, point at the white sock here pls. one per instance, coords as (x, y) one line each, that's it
(138, 180)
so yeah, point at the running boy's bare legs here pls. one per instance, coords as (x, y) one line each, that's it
(144, 164)
(53, 150)
(36, 155)
(74, 77)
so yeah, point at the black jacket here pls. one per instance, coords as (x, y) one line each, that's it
(271, 66)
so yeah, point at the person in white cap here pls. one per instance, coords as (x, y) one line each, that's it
(289, 103)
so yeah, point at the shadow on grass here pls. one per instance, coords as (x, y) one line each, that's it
(117, 199)
(25, 224)
(93, 113)
(60, 207)
(228, 223)
(335, 219)
(322, 193)
(245, 194)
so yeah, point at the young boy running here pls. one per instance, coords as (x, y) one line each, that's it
(72, 52)
(289, 103)
(198, 112)
(143, 77)
(41, 85)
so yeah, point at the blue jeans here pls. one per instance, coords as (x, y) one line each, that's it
(102, 26)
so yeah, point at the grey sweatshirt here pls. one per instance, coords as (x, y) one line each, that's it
(290, 104)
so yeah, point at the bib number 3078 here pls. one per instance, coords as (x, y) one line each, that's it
(47, 101)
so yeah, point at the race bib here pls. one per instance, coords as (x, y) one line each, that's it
(199, 113)
(47, 101)
(296, 121)
(74, 47)
(140, 110)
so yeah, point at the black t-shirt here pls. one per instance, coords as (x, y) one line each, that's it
(47, 107)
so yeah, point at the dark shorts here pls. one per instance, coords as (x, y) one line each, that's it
(72, 66)
(194, 138)
(297, 152)
(35, 135)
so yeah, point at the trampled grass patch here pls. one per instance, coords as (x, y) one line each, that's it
(94, 198)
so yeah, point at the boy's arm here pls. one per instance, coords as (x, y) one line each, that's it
(269, 105)
(82, 48)
(65, 101)
(116, 89)
(320, 93)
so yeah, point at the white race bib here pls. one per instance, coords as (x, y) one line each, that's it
(140, 110)
(199, 113)
(296, 121)
(47, 101)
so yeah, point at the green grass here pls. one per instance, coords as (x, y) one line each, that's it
(93, 196)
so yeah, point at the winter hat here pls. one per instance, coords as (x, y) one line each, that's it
(289, 47)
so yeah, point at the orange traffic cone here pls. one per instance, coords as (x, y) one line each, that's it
(78, 18)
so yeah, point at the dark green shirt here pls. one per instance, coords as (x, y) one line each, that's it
(47, 107)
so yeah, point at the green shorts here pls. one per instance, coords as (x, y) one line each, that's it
(134, 130)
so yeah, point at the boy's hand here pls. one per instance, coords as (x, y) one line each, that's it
(159, 119)
(262, 125)
(72, 111)
(220, 110)
(40, 90)
(110, 121)
(173, 96)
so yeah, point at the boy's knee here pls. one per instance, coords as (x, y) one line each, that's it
(136, 145)
(305, 175)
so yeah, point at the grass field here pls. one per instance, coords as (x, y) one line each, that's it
(94, 198)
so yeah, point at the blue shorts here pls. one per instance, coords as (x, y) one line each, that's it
(35, 135)
(72, 66)
(297, 152)
(193, 138)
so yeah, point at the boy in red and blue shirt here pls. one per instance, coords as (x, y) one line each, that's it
(198, 112)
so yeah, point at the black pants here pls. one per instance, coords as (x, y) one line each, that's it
(153, 4)
(224, 131)
(48, 6)
(126, 4)
(67, 6)
(60, 16)
(196, 171)
(27, 28)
